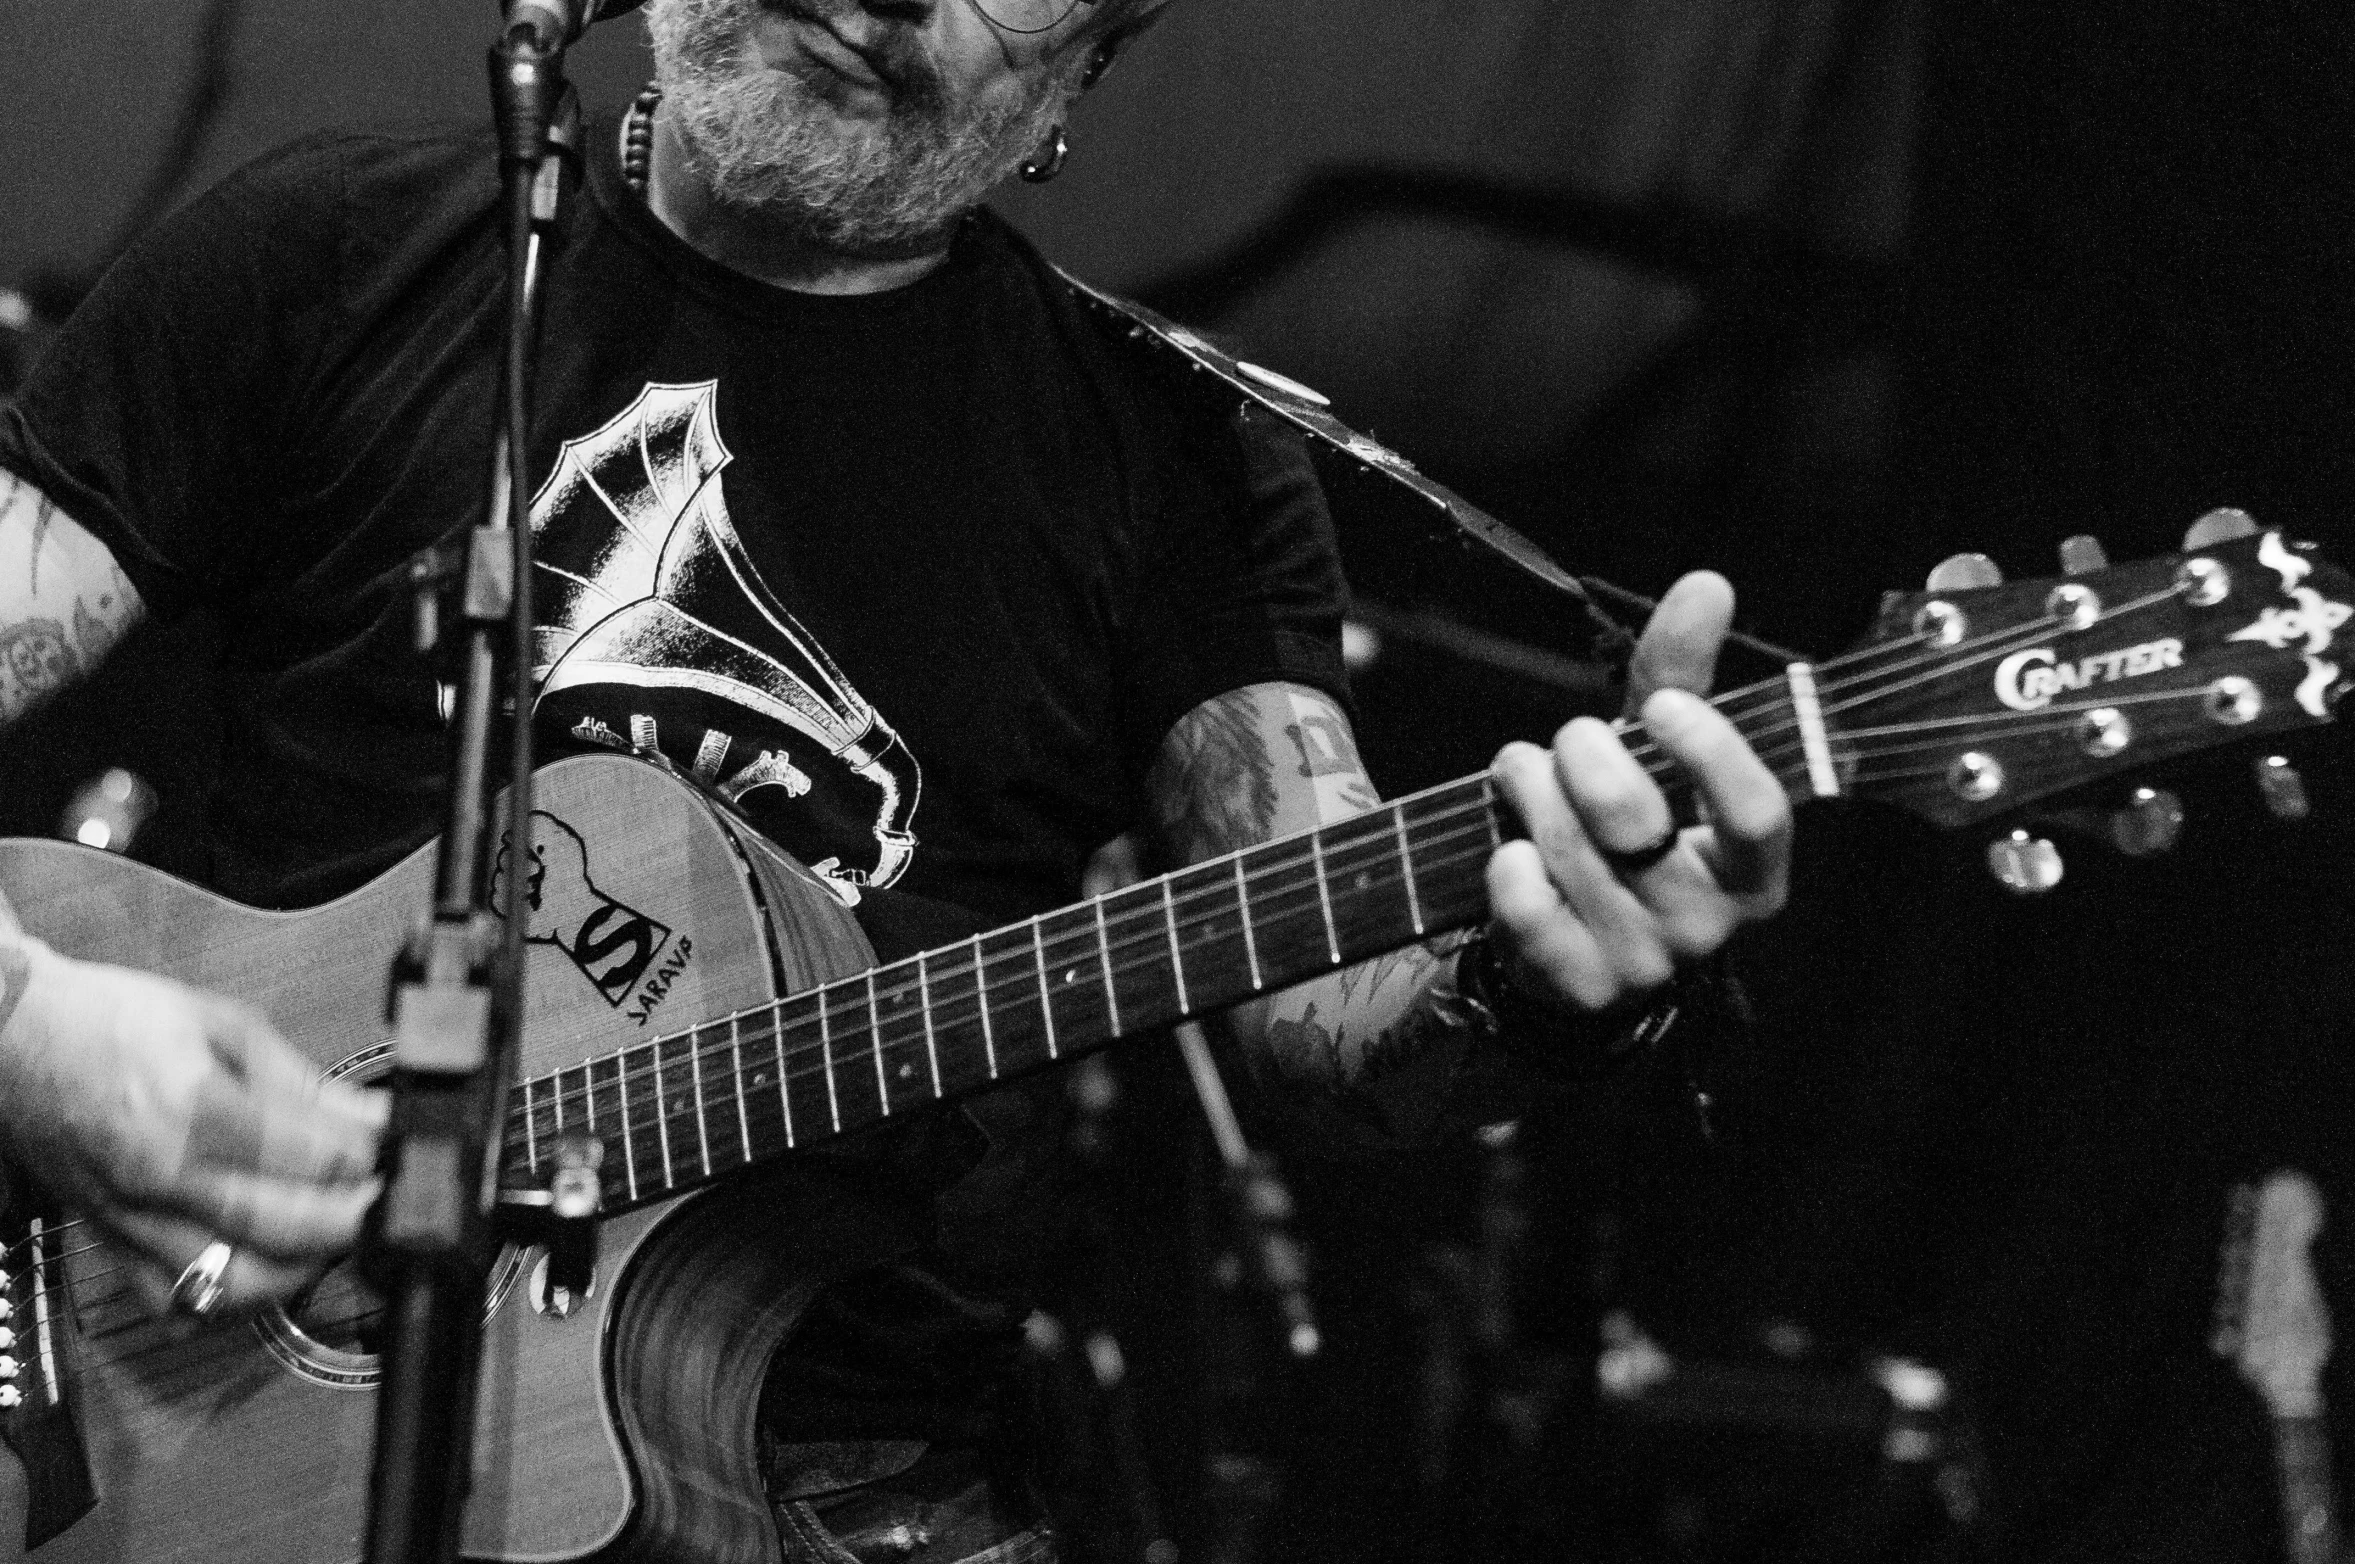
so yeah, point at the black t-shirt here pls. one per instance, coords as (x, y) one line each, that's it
(919, 579)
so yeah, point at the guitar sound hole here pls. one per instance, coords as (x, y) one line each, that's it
(340, 1312)
(332, 1331)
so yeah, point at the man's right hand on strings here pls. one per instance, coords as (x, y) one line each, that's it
(176, 1119)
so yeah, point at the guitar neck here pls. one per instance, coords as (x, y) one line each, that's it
(2309, 1505)
(679, 1110)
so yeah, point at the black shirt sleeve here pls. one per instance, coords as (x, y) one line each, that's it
(158, 417)
(1242, 583)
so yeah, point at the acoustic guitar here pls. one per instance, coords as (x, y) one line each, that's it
(703, 1007)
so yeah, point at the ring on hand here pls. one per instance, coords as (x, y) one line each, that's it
(1637, 860)
(198, 1291)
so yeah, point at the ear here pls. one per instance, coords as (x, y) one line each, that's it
(1128, 21)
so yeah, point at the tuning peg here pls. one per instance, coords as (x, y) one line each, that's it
(1962, 572)
(2283, 790)
(2083, 554)
(2221, 525)
(2026, 865)
(2149, 823)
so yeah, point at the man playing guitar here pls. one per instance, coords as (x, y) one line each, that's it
(855, 518)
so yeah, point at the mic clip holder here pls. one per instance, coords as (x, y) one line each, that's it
(560, 1216)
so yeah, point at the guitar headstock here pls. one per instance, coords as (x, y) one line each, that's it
(1967, 704)
(2270, 1317)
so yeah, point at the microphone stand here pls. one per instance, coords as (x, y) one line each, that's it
(456, 1000)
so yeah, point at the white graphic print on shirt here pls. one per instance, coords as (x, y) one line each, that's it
(656, 633)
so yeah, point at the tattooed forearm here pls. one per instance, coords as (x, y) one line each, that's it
(63, 602)
(1328, 758)
(1366, 1045)
(1213, 789)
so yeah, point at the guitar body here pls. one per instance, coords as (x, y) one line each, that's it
(624, 1429)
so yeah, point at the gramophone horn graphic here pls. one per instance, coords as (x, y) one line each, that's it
(656, 633)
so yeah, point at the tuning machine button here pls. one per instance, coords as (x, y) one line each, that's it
(2083, 554)
(1964, 572)
(2282, 789)
(2024, 865)
(10, 1397)
(2221, 525)
(2149, 824)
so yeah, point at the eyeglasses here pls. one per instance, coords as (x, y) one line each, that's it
(1028, 16)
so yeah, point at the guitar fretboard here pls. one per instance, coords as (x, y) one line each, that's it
(680, 1110)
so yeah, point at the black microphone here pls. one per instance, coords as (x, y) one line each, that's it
(556, 23)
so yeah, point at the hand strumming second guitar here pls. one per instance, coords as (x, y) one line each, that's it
(177, 1119)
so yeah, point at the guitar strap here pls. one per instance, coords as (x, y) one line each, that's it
(1441, 512)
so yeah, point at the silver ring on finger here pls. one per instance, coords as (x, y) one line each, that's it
(1635, 861)
(198, 1291)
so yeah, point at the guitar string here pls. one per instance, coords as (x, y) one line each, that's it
(1981, 650)
(1647, 753)
(1645, 750)
(704, 1054)
(2025, 728)
(1991, 646)
(87, 1305)
(701, 1055)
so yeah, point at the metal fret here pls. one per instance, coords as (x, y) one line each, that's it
(784, 1092)
(736, 1059)
(695, 1064)
(989, 1042)
(1243, 906)
(924, 1003)
(826, 1051)
(1177, 963)
(1488, 812)
(1104, 958)
(1316, 858)
(629, 1133)
(662, 1117)
(875, 1042)
(556, 1084)
(531, 1138)
(1038, 947)
(588, 1090)
(1414, 901)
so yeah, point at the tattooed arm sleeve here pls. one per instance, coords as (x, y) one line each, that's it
(63, 603)
(1365, 1048)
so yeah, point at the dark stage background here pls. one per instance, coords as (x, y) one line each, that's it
(1814, 292)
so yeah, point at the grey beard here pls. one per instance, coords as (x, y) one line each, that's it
(765, 145)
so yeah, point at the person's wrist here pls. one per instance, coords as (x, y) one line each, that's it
(1552, 1041)
(22, 961)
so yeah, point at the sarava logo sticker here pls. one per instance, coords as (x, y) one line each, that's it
(611, 942)
(2028, 681)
